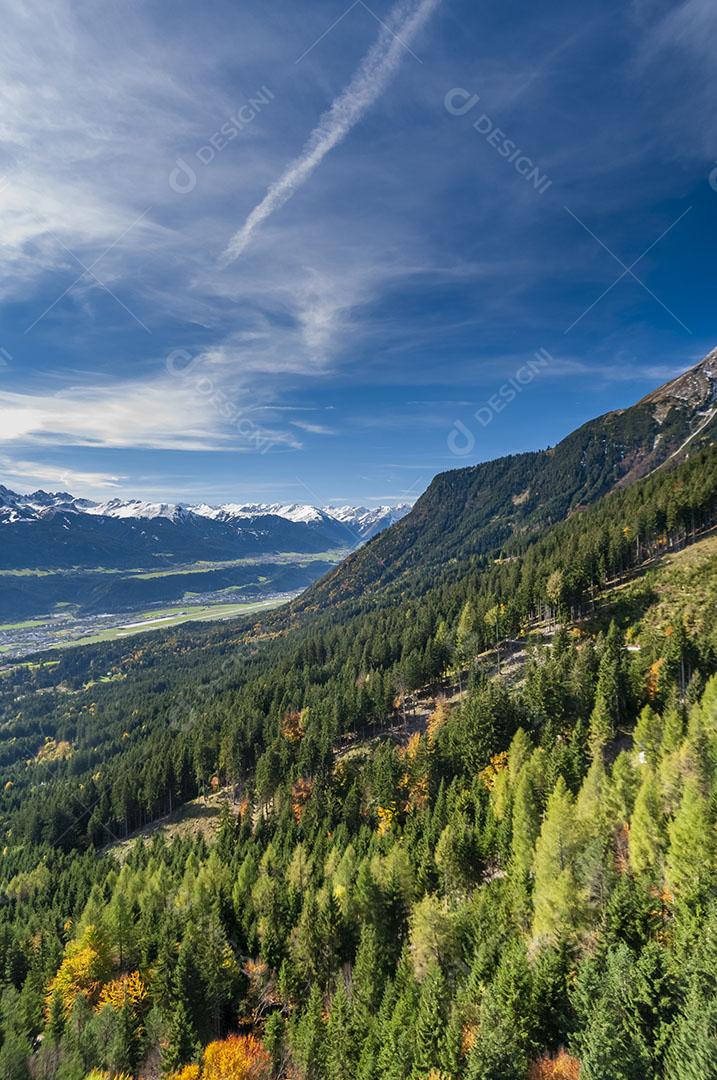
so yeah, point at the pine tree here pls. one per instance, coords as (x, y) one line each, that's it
(646, 838)
(557, 902)
(466, 632)
(601, 725)
(610, 692)
(526, 827)
(309, 1037)
(430, 1026)
(689, 864)
(647, 736)
(340, 1045)
(590, 804)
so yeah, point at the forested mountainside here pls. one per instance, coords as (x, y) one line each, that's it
(467, 826)
(476, 510)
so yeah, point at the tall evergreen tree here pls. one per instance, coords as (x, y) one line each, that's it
(646, 836)
(557, 901)
(430, 1026)
(690, 859)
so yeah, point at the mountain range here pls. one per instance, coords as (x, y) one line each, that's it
(466, 511)
(59, 531)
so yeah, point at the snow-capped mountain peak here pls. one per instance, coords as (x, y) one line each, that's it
(292, 511)
(360, 521)
(341, 525)
(136, 508)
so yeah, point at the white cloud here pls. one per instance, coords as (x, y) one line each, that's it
(20, 472)
(185, 412)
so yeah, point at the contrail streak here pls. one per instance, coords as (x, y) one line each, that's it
(371, 79)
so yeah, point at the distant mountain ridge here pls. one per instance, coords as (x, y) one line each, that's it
(57, 530)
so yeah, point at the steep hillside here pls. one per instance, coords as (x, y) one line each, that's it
(521, 885)
(475, 510)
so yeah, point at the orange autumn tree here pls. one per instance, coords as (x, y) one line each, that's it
(301, 791)
(293, 725)
(560, 1067)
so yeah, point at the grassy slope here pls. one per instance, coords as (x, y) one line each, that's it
(682, 585)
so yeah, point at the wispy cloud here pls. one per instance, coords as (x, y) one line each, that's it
(367, 85)
(313, 429)
(21, 472)
(160, 413)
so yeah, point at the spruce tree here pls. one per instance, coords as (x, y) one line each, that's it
(182, 1044)
(610, 693)
(340, 1044)
(617, 1037)
(430, 1025)
(557, 902)
(309, 1037)
(526, 827)
(692, 1050)
(646, 837)
(395, 1059)
(689, 863)
(366, 981)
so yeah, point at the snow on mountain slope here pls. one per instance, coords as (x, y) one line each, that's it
(38, 504)
(292, 512)
(368, 521)
(361, 520)
(136, 508)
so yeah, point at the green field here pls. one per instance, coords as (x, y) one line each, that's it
(279, 559)
(159, 620)
(25, 625)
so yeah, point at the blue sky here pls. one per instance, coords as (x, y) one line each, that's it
(287, 251)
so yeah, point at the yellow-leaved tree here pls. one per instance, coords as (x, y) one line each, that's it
(239, 1057)
(85, 969)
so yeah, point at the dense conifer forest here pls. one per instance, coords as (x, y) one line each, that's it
(467, 828)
